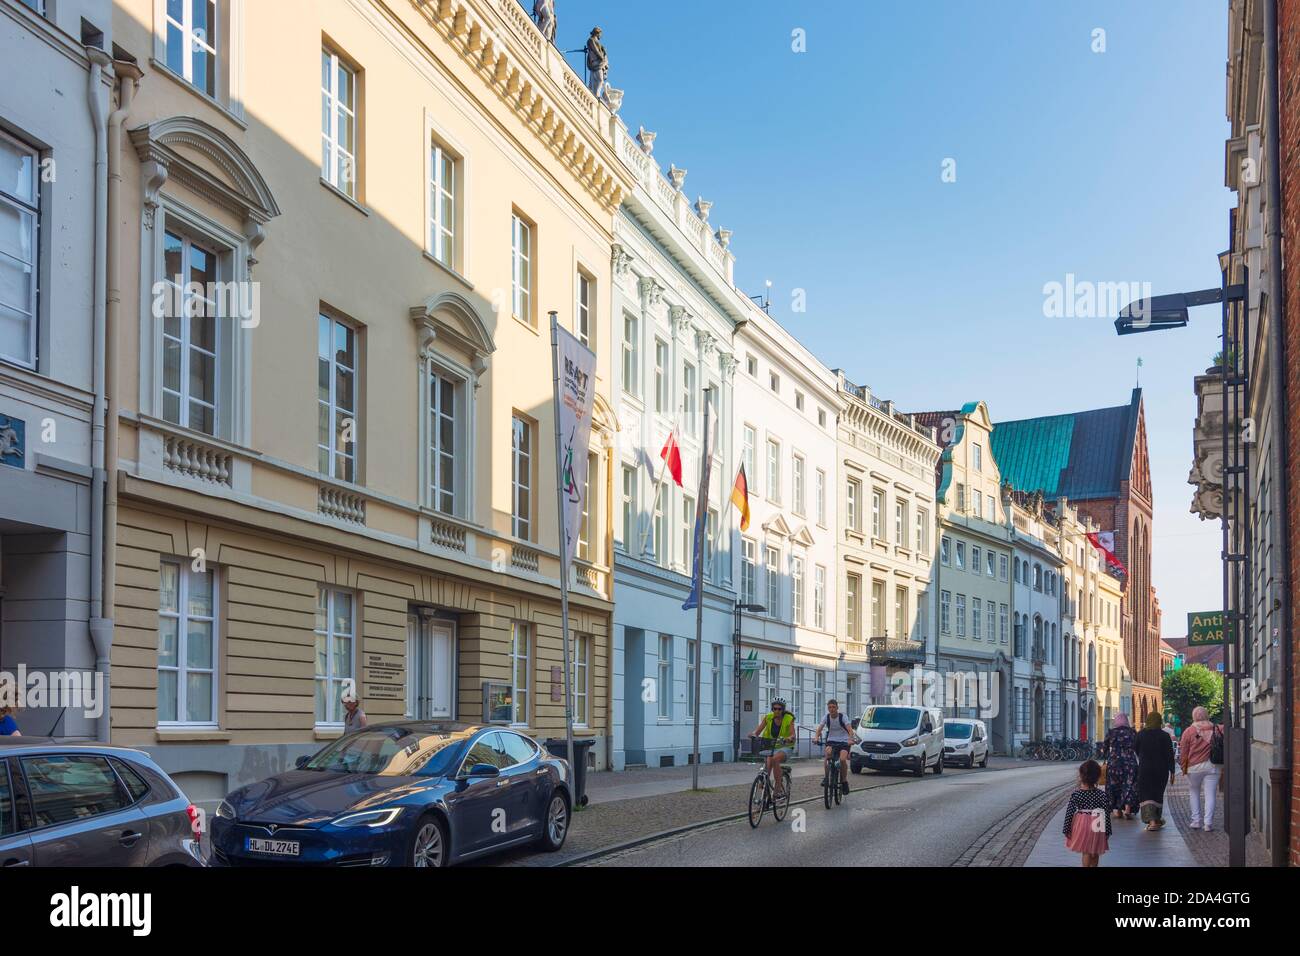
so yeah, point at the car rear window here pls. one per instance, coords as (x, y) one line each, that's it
(134, 782)
(65, 788)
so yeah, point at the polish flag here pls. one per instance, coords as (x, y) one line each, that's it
(672, 454)
(1104, 541)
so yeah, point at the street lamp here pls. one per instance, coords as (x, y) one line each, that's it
(764, 300)
(735, 675)
(1171, 312)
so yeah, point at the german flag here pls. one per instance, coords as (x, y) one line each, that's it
(740, 498)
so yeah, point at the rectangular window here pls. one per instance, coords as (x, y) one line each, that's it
(689, 421)
(922, 531)
(796, 692)
(796, 589)
(1002, 623)
(991, 507)
(659, 533)
(521, 446)
(798, 489)
(819, 597)
(338, 157)
(336, 398)
(976, 559)
(978, 508)
(19, 235)
(335, 654)
(961, 615)
(921, 623)
(521, 269)
(751, 366)
(692, 663)
(582, 680)
(821, 497)
(945, 611)
(662, 401)
(774, 381)
(819, 693)
(520, 639)
(851, 695)
(945, 549)
(852, 491)
(900, 613)
(443, 408)
(688, 531)
(715, 682)
(773, 563)
(961, 499)
(583, 313)
(190, 337)
(852, 612)
(710, 544)
(1002, 567)
(442, 217)
(187, 645)
(877, 514)
(584, 529)
(798, 400)
(978, 457)
(748, 594)
(747, 457)
(961, 555)
(877, 608)
(192, 42)
(629, 509)
(631, 354)
(988, 563)
(976, 607)
(771, 683)
(900, 523)
(773, 470)
(665, 689)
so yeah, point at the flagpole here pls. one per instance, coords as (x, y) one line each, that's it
(702, 510)
(564, 551)
(659, 484)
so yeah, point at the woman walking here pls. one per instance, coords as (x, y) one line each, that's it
(1155, 752)
(1121, 767)
(1198, 746)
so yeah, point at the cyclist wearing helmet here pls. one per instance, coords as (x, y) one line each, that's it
(777, 726)
(839, 737)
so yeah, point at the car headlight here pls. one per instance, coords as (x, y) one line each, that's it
(911, 741)
(369, 818)
(962, 746)
(225, 810)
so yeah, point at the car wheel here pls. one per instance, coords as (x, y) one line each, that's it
(429, 844)
(938, 766)
(856, 768)
(920, 771)
(985, 761)
(970, 764)
(555, 828)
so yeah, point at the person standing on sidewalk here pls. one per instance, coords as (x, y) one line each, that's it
(1087, 816)
(1121, 767)
(1155, 751)
(1198, 747)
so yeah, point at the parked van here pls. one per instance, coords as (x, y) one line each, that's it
(895, 737)
(965, 742)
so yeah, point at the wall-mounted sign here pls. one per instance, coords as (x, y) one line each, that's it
(13, 441)
(1204, 628)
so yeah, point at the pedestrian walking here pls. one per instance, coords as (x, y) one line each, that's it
(1202, 743)
(1087, 816)
(9, 726)
(1155, 753)
(1119, 749)
(354, 717)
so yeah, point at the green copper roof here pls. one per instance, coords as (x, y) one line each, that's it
(1079, 455)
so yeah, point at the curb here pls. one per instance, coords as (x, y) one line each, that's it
(1030, 813)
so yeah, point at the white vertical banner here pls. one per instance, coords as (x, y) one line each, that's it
(575, 374)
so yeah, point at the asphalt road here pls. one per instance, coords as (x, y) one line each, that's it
(928, 821)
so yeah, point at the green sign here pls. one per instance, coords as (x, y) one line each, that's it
(1204, 628)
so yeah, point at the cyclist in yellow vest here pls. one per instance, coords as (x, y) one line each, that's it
(777, 726)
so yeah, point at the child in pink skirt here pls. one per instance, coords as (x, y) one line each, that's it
(1087, 816)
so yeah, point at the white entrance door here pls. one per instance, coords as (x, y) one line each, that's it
(430, 668)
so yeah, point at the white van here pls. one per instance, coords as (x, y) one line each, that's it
(965, 742)
(894, 737)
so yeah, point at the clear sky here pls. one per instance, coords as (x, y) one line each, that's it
(827, 165)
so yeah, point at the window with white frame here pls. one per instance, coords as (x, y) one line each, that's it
(444, 427)
(692, 663)
(335, 653)
(921, 620)
(798, 400)
(922, 531)
(751, 366)
(663, 403)
(798, 504)
(687, 532)
(629, 509)
(187, 645)
(961, 499)
(774, 381)
(961, 555)
(770, 684)
(852, 512)
(976, 559)
(631, 353)
(819, 596)
(852, 609)
(582, 680)
(442, 208)
(689, 419)
(900, 522)
(821, 497)
(961, 615)
(900, 613)
(584, 528)
(945, 611)
(191, 50)
(338, 158)
(584, 308)
(977, 456)
(715, 682)
(1002, 567)
(978, 508)
(819, 694)
(773, 562)
(521, 477)
(773, 470)
(747, 453)
(191, 335)
(1002, 623)
(336, 404)
(988, 563)
(821, 417)
(945, 549)
(851, 695)
(748, 548)
(20, 220)
(710, 543)
(976, 610)
(521, 268)
(796, 589)
(877, 514)
(796, 692)
(665, 689)
(659, 533)
(520, 645)
(877, 608)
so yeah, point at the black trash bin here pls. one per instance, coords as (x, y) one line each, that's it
(559, 747)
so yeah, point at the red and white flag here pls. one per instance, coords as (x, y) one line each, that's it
(672, 455)
(1104, 541)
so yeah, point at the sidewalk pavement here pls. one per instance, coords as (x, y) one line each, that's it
(1210, 849)
(1130, 845)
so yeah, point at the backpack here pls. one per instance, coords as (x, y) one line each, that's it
(826, 722)
(1216, 746)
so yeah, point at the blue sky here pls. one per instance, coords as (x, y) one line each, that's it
(827, 166)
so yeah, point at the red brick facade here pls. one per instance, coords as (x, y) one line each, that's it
(1288, 12)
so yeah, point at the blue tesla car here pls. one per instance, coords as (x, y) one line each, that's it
(416, 793)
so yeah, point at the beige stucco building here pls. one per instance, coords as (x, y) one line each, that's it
(349, 481)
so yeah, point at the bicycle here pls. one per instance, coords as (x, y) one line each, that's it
(831, 790)
(761, 794)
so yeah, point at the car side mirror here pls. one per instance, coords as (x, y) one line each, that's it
(301, 761)
(856, 721)
(483, 770)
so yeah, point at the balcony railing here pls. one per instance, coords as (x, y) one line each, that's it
(886, 650)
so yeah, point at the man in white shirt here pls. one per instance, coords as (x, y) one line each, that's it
(839, 738)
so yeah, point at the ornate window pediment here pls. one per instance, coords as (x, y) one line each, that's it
(457, 319)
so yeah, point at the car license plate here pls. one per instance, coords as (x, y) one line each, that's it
(879, 756)
(273, 847)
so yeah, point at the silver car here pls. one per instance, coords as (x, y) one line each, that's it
(83, 804)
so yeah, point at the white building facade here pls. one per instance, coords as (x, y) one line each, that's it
(1037, 696)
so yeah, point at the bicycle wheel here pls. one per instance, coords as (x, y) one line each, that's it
(839, 786)
(781, 804)
(827, 787)
(757, 799)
